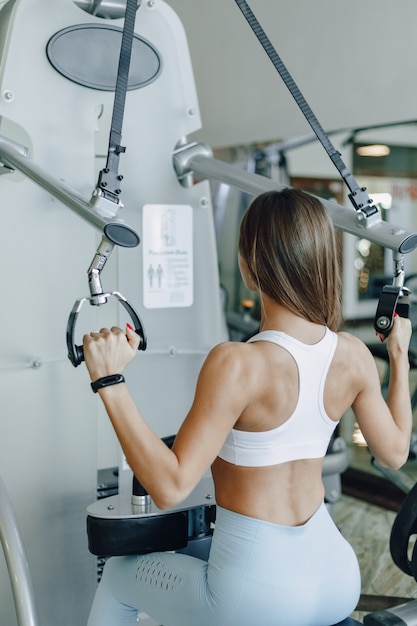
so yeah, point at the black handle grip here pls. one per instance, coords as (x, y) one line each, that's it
(76, 353)
(403, 309)
(391, 301)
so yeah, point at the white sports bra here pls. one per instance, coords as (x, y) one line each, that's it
(306, 433)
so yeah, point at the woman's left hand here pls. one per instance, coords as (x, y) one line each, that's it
(108, 351)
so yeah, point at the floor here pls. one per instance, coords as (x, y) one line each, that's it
(367, 527)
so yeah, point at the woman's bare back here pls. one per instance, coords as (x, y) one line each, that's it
(288, 493)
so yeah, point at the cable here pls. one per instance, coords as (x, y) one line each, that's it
(358, 196)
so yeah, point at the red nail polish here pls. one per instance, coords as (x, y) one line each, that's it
(129, 327)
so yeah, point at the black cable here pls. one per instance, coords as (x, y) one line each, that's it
(358, 195)
(123, 75)
(109, 178)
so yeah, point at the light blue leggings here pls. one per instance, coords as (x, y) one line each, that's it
(257, 573)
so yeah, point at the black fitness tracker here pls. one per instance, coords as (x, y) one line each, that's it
(106, 381)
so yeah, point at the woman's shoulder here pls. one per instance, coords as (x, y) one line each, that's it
(229, 366)
(353, 364)
(234, 358)
(350, 338)
(229, 352)
(353, 346)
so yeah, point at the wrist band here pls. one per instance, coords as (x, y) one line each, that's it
(106, 381)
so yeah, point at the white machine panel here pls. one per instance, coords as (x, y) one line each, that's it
(51, 433)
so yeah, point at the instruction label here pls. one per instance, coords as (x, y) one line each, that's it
(167, 233)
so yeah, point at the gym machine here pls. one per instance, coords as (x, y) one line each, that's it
(129, 522)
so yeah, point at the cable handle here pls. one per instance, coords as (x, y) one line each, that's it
(76, 353)
(393, 299)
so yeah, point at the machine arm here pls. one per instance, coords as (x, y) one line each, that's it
(115, 230)
(197, 158)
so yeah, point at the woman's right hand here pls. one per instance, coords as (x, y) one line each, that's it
(399, 338)
(108, 351)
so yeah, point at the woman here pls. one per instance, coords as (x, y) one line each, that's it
(262, 417)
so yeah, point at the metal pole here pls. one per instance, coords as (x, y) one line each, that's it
(383, 233)
(197, 159)
(115, 230)
(17, 563)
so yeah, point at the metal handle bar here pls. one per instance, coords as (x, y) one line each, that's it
(76, 353)
(17, 563)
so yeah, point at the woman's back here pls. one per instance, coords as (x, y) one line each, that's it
(281, 438)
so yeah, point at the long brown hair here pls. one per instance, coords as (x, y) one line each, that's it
(288, 242)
